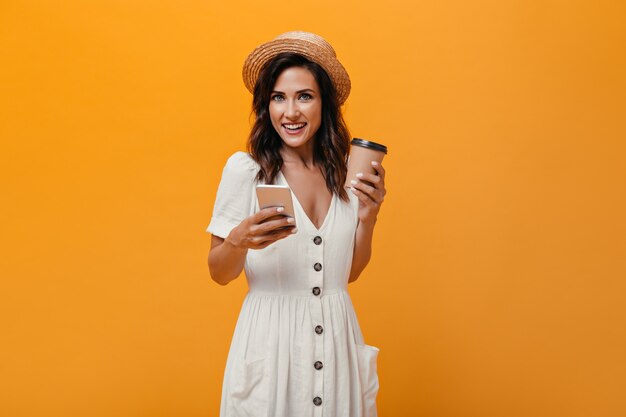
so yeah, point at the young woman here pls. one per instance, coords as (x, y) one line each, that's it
(297, 349)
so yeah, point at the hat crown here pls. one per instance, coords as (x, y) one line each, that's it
(308, 37)
(309, 45)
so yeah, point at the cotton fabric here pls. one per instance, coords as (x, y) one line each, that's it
(284, 331)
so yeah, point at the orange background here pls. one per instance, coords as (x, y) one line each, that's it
(498, 278)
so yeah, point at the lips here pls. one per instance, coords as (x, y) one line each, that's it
(293, 128)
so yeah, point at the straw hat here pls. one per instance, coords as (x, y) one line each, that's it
(311, 46)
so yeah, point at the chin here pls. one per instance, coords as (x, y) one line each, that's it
(295, 143)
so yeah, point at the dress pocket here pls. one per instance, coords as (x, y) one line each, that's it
(367, 357)
(248, 388)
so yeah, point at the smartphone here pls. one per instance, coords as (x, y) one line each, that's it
(275, 196)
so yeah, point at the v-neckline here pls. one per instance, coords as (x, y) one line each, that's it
(297, 202)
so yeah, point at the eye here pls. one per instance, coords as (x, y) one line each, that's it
(277, 97)
(306, 96)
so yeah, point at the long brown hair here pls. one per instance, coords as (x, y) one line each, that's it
(332, 139)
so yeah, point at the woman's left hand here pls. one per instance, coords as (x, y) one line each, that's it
(371, 194)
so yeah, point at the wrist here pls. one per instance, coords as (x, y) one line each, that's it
(234, 241)
(369, 223)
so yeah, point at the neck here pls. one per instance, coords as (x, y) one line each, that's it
(300, 156)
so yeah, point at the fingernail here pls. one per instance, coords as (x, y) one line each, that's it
(280, 209)
(353, 182)
(359, 175)
(290, 220)
(294, 230)
(374, 163)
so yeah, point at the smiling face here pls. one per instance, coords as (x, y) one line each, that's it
(296, 107)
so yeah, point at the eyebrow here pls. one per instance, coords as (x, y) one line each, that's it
(299, 91)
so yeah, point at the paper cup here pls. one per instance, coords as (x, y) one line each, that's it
(362, 153)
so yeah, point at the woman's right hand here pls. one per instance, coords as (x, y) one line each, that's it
(257, 232)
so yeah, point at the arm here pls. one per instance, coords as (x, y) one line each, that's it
(370, 199)
(227, 256)
(225, 260)
(362, 249)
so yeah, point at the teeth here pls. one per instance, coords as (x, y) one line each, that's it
(298, 126)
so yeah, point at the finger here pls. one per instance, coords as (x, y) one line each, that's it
(363, 197)
(272, 225)
(375, 180)
(262, 245)
(364, 187)
(379, 169)
(265, 240)
(286, 233)
(272, 228)
(373, 193)
(257, 242)
(266, 213)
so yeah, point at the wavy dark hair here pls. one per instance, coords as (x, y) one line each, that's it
(331, 142)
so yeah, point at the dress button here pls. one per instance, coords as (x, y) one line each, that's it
(317, 266)
(316, 291)
(319, 329)
(317, 401)
(318, 365)
(317, 240)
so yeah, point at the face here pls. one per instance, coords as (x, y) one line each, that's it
(296, 107)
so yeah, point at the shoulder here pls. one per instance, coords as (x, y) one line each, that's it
(241, 163)
(239, 171)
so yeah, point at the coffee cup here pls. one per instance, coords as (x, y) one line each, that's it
(362, 153)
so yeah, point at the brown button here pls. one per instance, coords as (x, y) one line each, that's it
(317, 401)
(317, 266)
(317, 240)
(319, 329)
(316, 291)
(318, 365)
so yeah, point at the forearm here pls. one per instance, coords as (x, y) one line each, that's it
(226, 261)
(362, 249)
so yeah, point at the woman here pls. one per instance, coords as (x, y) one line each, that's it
(297, 349)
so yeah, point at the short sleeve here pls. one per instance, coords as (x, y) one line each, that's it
(235, 195)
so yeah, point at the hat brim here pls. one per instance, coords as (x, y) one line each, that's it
(262, 54)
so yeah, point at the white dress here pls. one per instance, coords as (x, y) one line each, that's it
(297, 348)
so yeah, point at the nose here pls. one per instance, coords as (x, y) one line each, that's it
(292, 111)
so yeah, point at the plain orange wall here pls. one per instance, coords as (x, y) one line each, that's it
(498, 279)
